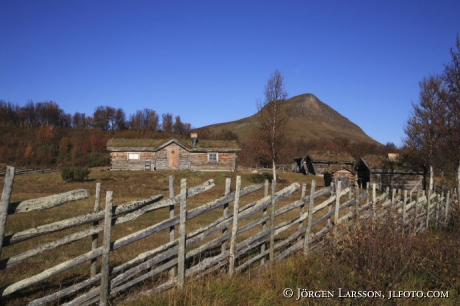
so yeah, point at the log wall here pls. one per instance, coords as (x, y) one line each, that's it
(186, 160)
(199, 161)
(119, 160)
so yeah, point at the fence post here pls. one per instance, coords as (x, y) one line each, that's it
(357, 204)
(350, 196)
(236, 203)
(228, 183)
(368, 196)
(415, 212)
(95, 237)
(306, 243)
(6, 196)
(302, 207)
(374, 194)
(272, 225)
(436, 214)
(172, 272)
(428, 210)
(264, 224)
(447, 208)
(404, 213)
(337, 203)
(182, 219)
(105, 269)
(329, 209)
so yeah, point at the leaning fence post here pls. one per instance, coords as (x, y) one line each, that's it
(6, 196)
(272, 225)
(172, 272)
(182, 219)
(236, 204)
(95, 237)
(329, 209)
(228, 183)
(307, 240)
(105, 271)
(264, 224)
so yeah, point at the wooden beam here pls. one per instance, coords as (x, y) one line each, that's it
(6, 196)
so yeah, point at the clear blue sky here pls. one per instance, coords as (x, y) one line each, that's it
(208, 61)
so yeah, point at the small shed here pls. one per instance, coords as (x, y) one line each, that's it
(330, 165)
(344, 175)
(388, 171)
(318, 163)
(172, 154)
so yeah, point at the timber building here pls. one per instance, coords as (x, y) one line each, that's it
(173, 154)
(389, 171)
(330, 165)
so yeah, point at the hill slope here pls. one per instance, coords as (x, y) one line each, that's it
(309, 118)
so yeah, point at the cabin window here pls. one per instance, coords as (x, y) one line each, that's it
(133, 156)
(212, 157)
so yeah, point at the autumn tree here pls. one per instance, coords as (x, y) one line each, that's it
(425, 128)
(271, 129)
(433, 129)
(167, 124)
(451, 79)
(109, 118)
(81, 121)
(145, 119)
(180, 127)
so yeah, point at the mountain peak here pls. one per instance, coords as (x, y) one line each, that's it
(308, 118)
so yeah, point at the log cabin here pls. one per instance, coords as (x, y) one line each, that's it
(389, 171)
(330, 165)
(319, 163)
(173, 154)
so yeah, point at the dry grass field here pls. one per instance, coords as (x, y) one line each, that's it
(127, 186)
(373, 258)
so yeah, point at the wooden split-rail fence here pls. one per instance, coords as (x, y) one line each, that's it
(18, 171)
(259, 231)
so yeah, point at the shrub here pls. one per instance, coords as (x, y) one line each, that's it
(78, 174)
(81, 174)
(260, 177)
(67, 174)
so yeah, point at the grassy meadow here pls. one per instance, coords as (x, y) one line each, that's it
(371, 258)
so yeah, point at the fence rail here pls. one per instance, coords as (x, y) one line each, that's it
(261, 231)
(18, 171)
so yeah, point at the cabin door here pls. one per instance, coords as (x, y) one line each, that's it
(173, 157)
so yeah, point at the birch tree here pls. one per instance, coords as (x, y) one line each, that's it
(272, 123)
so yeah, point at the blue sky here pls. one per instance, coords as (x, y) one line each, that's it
(208, 61)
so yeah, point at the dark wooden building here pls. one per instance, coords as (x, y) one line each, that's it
(170, 154)
(388, 171)
(330, 165)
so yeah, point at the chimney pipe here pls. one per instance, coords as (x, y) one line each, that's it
(194, 137)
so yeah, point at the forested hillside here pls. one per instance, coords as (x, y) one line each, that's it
(41, 134)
